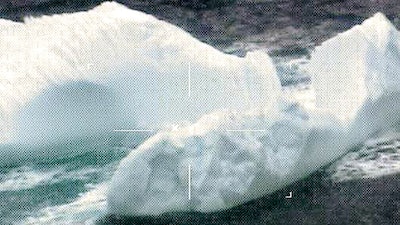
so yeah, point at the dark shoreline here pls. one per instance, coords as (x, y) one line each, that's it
(316, 200)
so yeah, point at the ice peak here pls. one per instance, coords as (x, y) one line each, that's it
(358, 68)
(377, 29)
(110, 6)
(377, 22)
(378, 17)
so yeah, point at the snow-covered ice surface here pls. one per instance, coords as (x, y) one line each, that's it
(235, 157)
(356, 76)
(74, 76)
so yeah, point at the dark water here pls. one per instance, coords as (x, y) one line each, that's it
(316, 200)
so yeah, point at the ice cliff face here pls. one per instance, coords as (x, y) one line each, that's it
(232, 158)
(72, 76)
(356, 75)
(236, 157)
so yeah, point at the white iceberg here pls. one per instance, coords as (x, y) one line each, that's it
(236, 157)
(232, 158)
(356, 76)
(76, 76)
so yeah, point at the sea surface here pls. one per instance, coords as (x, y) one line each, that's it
(67, 191)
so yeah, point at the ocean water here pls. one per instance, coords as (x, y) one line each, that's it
(50, 193)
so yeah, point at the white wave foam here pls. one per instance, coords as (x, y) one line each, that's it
(25, 178)
(84, 210)
(378, 157)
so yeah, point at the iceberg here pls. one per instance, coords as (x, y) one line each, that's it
(224, 159)
(72, 77)
(356, 76)
(227, 158)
